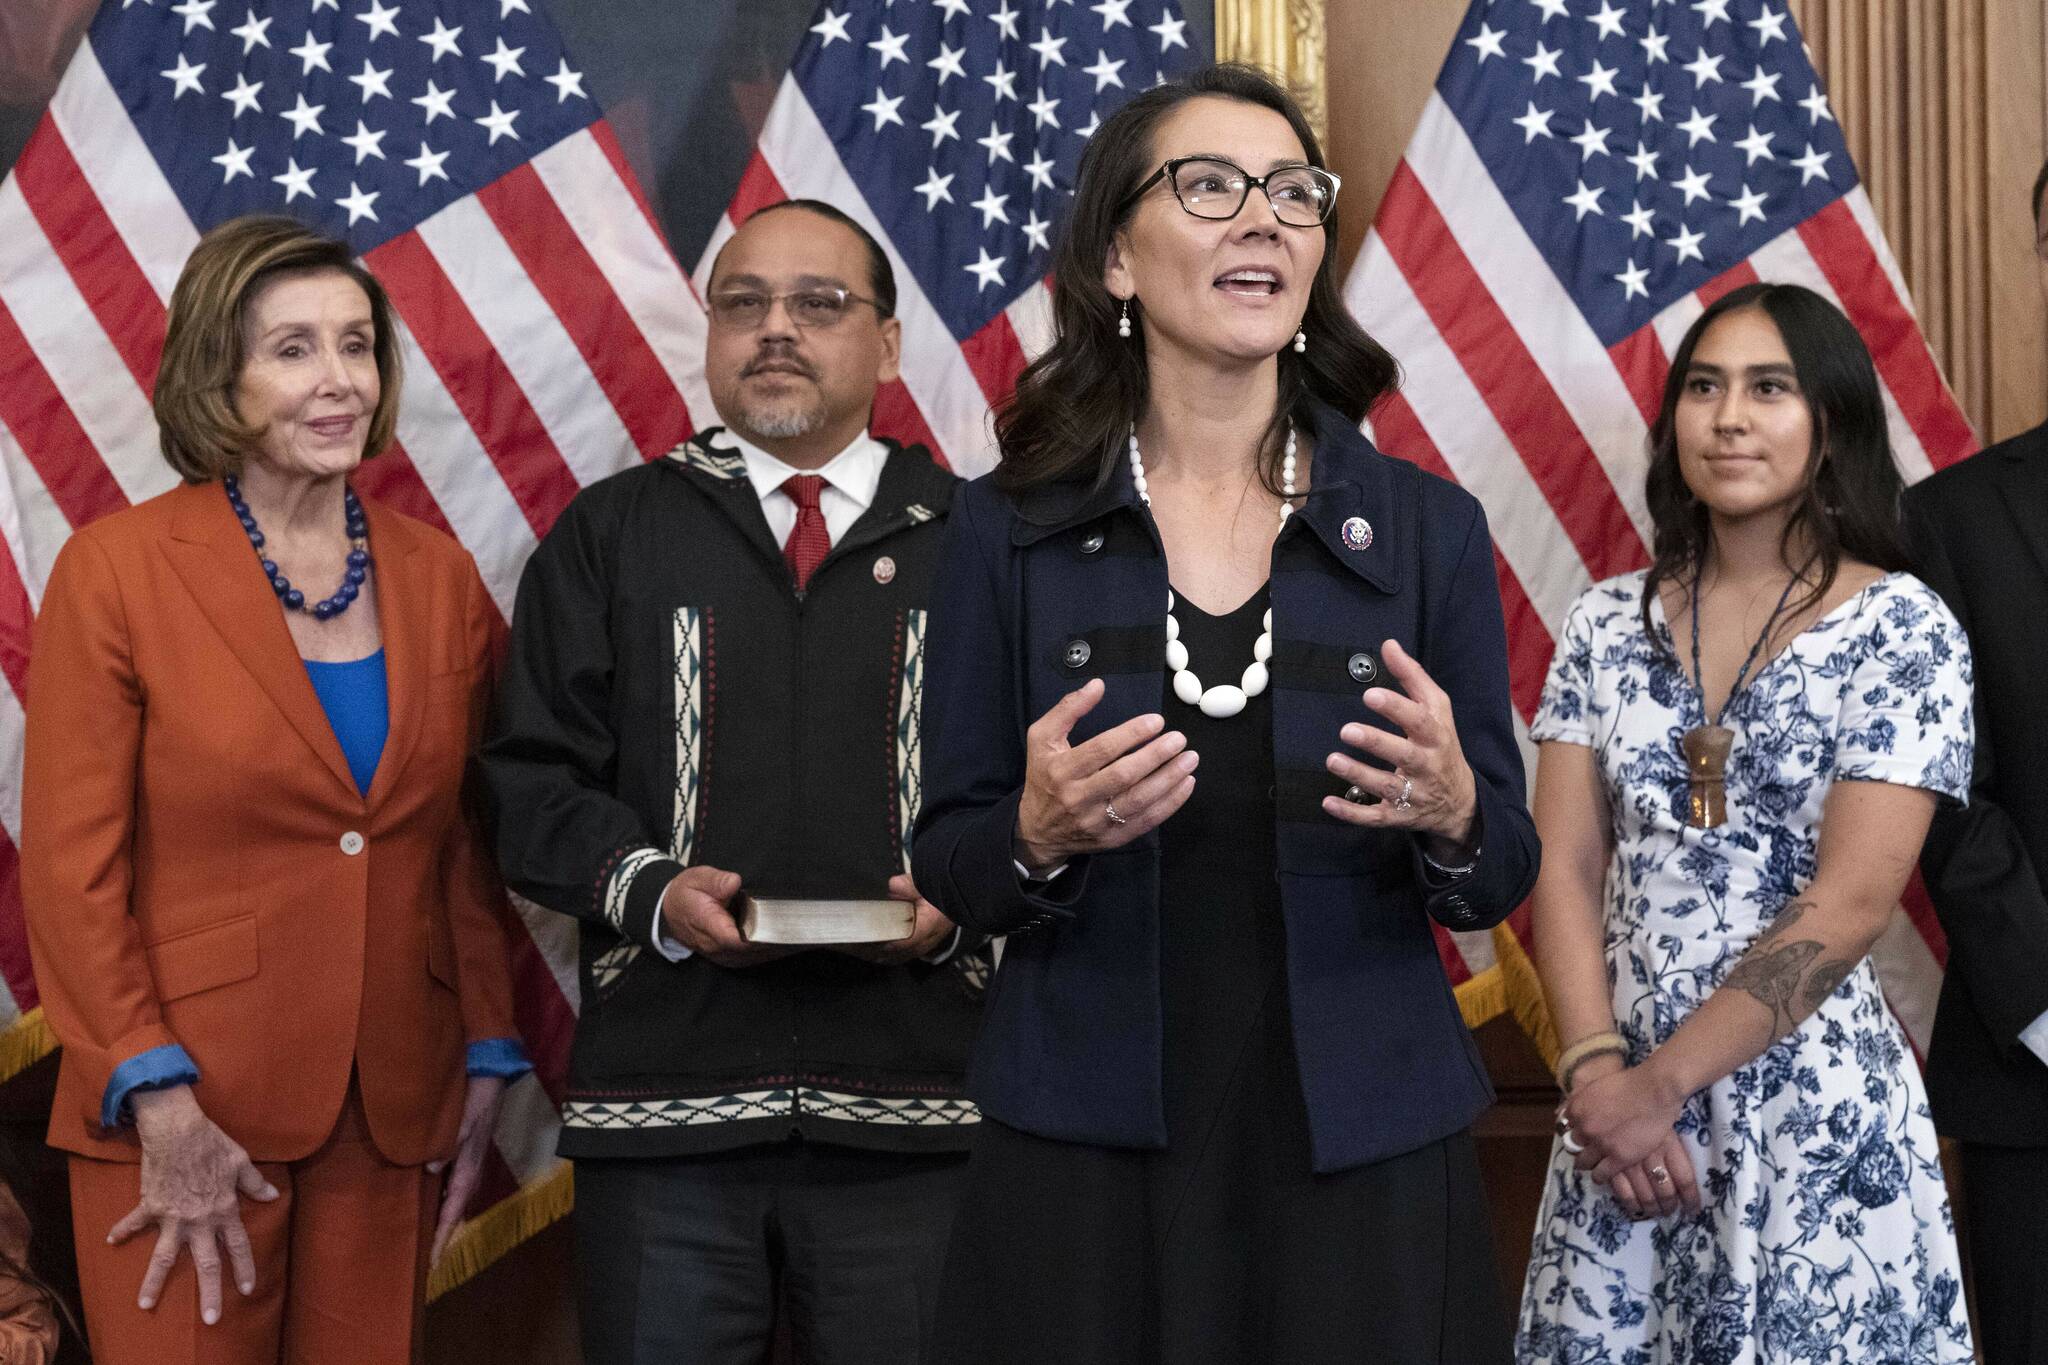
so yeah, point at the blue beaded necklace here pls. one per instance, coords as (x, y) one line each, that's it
(293, 599)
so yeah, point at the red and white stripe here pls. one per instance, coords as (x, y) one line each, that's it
(549, 337)
(1508, 391)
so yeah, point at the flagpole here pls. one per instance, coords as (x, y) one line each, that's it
(1288, 38)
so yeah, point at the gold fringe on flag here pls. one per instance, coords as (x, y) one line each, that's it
(24, 1042)
(1525, 993)
(488, 1236)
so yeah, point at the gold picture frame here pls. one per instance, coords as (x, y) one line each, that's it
(1289, 39)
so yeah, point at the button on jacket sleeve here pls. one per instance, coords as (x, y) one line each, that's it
(564, 839)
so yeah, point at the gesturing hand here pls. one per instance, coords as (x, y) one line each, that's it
(1100, 794)
(1431, 789)
(193, 1175)
(696, 910)
(479, 1121)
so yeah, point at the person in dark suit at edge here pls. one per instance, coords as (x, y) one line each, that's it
(1980, 530)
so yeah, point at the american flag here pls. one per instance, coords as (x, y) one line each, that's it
(952, 132)
(1584, 180)
(550, 337)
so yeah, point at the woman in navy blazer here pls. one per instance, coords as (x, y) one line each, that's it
(1226, 1085)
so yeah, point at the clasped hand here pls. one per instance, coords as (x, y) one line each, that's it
(1624, 1120)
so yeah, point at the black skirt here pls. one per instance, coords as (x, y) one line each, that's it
(1225, 1246)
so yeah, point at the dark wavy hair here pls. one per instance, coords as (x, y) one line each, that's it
(1850, 508)
(1075, 405)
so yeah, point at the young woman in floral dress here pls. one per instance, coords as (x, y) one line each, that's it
(1742, 748)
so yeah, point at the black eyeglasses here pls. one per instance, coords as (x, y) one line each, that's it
(816, 308)
(1210, 187)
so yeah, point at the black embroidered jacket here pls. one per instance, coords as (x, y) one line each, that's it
(670, 699)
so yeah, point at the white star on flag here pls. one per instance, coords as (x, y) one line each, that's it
(1105, 72)
(185, 76)
(832, 28)
(991, 206)
(505, 61)
(360, 204)
(428, 164)
(884, 107)
(442, 40)
(236, 161)
(935, 188)
(365, 142)
(499, 122)
(296, 180)
(244, 96)
(304, 118)
(989, 269)
(890, 45)
(437, 103)
(252, 31)
(566, 83)
(380, 20)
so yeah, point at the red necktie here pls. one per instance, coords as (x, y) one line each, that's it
(808, 540)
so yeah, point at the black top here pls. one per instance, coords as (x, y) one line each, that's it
(1222, 946)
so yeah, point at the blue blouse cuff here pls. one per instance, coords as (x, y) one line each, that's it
(502, 1057)
(151, 1070)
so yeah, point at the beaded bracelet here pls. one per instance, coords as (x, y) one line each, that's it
(1587, 1048)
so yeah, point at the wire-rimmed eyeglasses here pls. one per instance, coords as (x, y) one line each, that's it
(1211, 187)
(814, 308)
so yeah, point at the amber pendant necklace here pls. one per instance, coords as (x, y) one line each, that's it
(1706, 747)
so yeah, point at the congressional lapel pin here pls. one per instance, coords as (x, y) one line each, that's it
(885, 570)
(1357, 533)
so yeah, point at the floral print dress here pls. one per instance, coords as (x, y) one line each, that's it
(1826, 1234)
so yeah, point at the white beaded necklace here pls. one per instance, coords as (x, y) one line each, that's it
(1223, 699)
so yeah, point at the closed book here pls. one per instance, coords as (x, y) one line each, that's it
(814, 923)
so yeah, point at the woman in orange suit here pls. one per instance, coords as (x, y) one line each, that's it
(260, 920)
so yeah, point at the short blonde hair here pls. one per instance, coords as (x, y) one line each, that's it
(202, 435)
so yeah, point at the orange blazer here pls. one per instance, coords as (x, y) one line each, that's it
(199, 868)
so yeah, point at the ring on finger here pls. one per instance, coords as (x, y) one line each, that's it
(1109, 809)
(1660, 1175)
(1402, 802)
(1570, 1141)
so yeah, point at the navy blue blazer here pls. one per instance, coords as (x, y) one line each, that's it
(1071, 1035)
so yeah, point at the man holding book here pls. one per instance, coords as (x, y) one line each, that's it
(708, 753)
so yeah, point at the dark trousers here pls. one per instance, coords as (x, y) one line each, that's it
(2005, 1201)
(683, 1261)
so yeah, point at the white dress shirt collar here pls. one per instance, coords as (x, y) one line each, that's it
(855, 471)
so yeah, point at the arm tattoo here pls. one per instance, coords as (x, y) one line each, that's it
(1824, 981)
(1770, 973)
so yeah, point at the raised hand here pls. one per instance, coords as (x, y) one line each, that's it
(1100, 794)
(1431, 789)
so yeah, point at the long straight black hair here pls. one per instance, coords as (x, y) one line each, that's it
(1850, 506)
(1075, 405)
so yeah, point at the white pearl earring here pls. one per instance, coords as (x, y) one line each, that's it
(1123, 322)
(1300, 341)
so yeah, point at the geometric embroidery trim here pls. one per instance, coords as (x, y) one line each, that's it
(781, 1102)
(677, 1113)
(909, 1113)
(719, 465)
(910, 729)
(689, 727)
(622, 882)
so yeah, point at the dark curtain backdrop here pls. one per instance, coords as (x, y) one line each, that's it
(686, 84)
